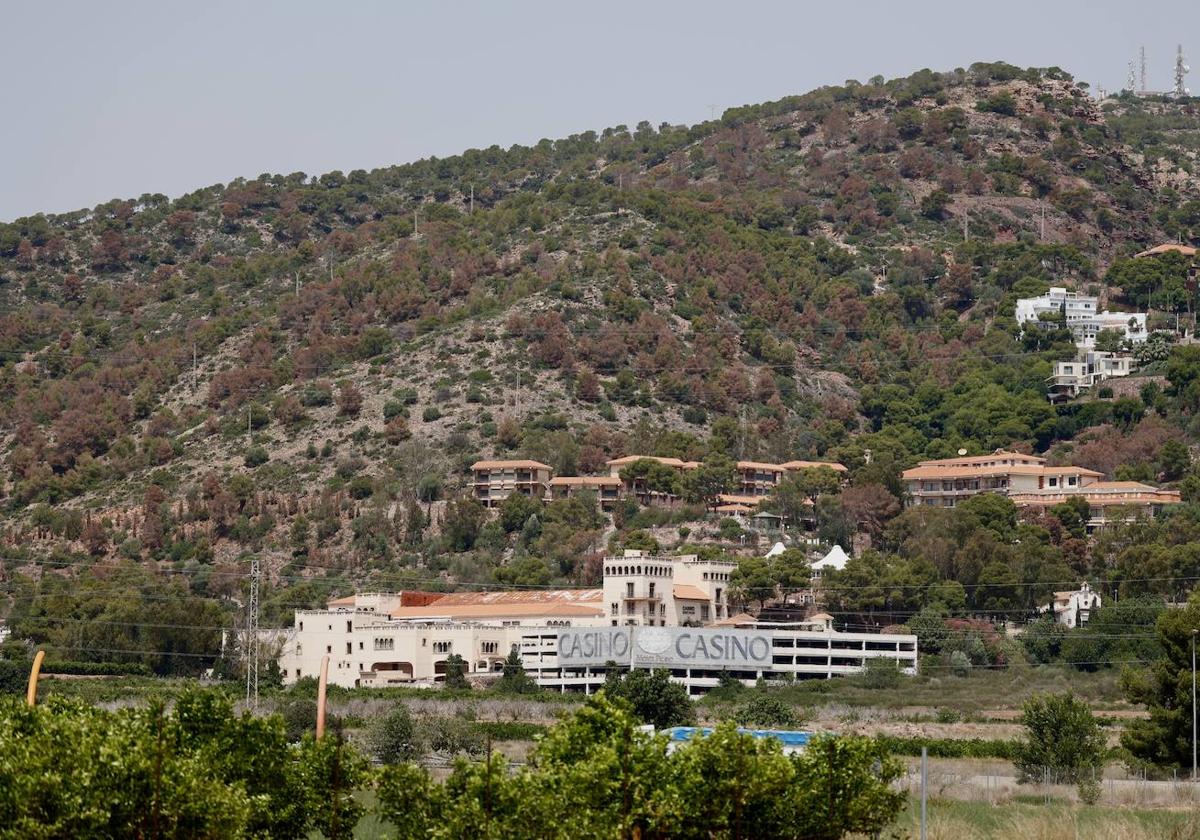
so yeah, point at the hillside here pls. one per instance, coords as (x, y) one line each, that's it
(303, 367)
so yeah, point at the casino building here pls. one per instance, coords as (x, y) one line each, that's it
(569, 638)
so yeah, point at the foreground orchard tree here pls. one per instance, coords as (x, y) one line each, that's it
(1165, 738)
(70, 770)
(596, 776)
(1062, 736)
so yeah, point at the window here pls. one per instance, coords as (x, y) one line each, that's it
(349, 626)
(441, 647)
(349, 648)
(651, 589)
(301, 626)
(360, 645)
(615, 609)
(385, 644)
(718, 598)
(629, 590)
(329, 648)
(704, 612)
(489, 647)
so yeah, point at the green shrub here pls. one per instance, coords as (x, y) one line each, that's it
(949, 747)
(256, 456)
(764, 710)
(394, 736)
(881, 673)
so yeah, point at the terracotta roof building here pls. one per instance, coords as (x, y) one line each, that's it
(1029, 482)
(606, 487)
(494, 481)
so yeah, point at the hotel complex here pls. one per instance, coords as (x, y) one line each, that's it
(494, 481)
(651, 612)
(1030, 482)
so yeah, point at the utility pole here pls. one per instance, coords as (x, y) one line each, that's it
(1142, 59)
(924, 785)
(472, 212)
(1194, 704)
(251, 651)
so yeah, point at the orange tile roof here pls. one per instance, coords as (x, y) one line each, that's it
(734, 499)
(632, 459)
(503, 465)
(1070, 471)
(1114, 497)
(585, 481)
(1120, 485)
(733, 509)
(687, 592)
(927, 470)
(348, 601)
(470, 611)
(807, 465)
(736, 620)
(759, 465)
(520, 596)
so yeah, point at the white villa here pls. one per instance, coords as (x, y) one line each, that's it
(1082, 315)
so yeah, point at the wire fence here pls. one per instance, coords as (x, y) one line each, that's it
(999, 782)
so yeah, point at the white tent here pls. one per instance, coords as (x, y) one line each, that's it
(835, 559)
(776, 549)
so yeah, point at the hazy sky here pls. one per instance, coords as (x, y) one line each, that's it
(115, 99)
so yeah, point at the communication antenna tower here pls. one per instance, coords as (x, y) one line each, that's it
(1181, 70)
(1131, 81)
(251, 647)
(1142, 60)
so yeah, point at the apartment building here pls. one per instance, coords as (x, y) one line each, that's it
(944, 481)
(1082, 316)
(756, 478)
(1108, 501)
(495, 481)
(606, 488)
(1029, 482)
(1072, 378)
(665, 591)
(639, 488)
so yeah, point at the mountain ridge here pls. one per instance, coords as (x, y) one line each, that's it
(788, 281)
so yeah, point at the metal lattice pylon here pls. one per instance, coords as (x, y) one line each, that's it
(250, 647)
